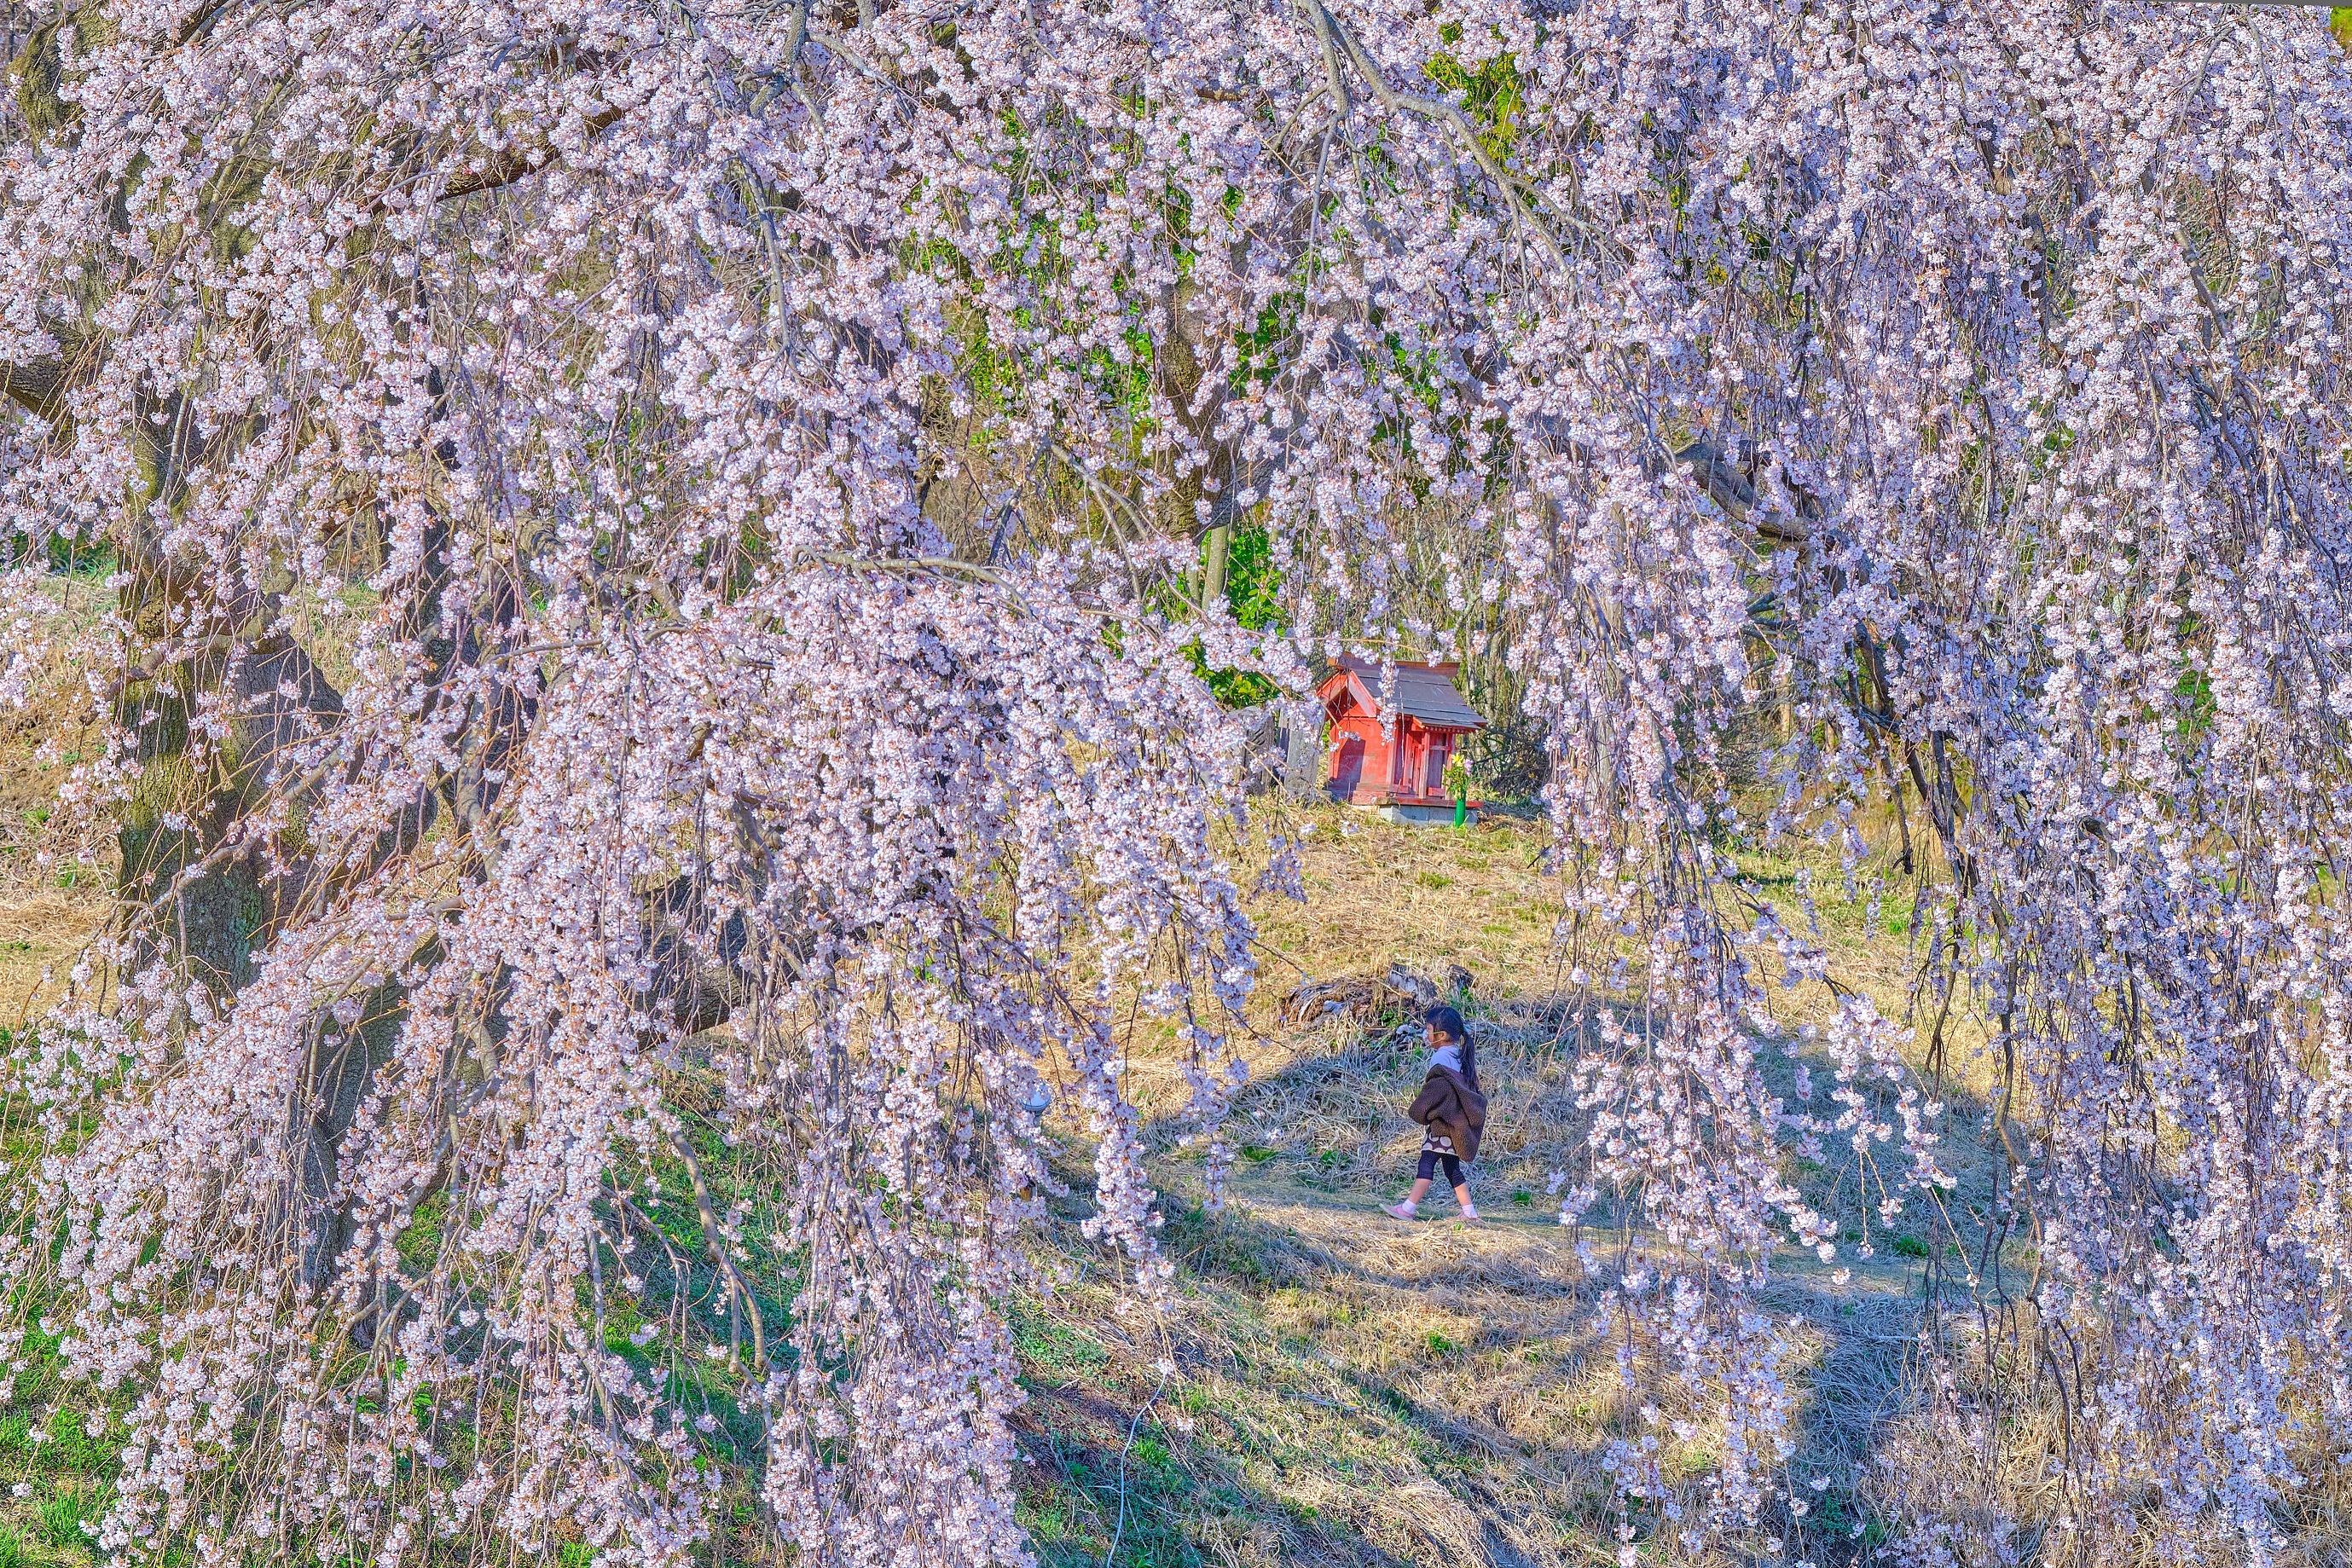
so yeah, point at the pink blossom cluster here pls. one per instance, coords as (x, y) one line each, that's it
(653, 546)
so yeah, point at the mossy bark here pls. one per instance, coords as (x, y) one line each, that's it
(210, 923)
(1212, 564)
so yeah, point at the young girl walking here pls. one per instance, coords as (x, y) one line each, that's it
(1452, 1109)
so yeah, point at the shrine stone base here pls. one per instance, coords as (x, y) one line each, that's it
(1423, 816)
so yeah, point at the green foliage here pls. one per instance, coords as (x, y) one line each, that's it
(1261, 357)
(1124, 382)
(1252, 585)
(2195, 690)
(72, 1448)
(85, 562)
(61, 1520)
(1252, 593)
(421, 1241)
(1076, 1529)
(1052, 1346)
(1492, 95)
(1225, 1246)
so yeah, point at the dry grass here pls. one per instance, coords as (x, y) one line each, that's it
(1423, 896)
(1366, 1391)
(1348, 1389)
(1353, 1389)
(41, 932)
(52, 892)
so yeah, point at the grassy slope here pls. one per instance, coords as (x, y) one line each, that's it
(1343, 1388)
(1350, 1389)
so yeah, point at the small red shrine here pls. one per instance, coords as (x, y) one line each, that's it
(1406, 778)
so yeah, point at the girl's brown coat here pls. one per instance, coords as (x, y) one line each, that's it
(1449, 1106)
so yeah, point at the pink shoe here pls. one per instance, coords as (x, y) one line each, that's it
(1468, 1215)
(1404, 1211)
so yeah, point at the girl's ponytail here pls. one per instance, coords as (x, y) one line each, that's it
(1448, 1022)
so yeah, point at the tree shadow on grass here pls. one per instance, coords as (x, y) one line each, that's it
(1090, 1495)
(1265, 1448)
(1854, 1378)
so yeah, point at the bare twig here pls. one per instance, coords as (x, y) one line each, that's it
(1132, 1427)
(736, 1287)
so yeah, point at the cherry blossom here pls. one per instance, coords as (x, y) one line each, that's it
(653, 663)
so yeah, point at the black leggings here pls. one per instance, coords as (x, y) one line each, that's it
(1429, 1158)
